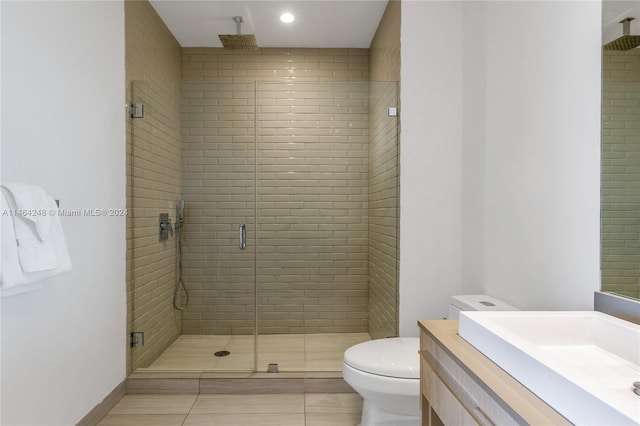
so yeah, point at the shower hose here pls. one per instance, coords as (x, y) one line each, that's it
(180, 283)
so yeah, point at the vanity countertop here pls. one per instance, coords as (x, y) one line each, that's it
(507, 391)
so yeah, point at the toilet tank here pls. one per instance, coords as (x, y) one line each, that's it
(476, 302)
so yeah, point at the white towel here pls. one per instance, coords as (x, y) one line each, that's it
(13, 278)
(33, 215)
(32, 198)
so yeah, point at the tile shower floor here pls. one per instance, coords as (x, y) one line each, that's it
(292, 352)
(310, 409)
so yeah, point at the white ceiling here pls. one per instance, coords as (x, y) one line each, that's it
(319, 23)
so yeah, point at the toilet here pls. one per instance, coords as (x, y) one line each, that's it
(386, 372)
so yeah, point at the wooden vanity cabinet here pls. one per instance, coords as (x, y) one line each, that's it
(460, 386)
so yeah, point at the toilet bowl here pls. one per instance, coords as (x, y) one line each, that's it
(386, 373)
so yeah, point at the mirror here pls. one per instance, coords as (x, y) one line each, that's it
(620, 186)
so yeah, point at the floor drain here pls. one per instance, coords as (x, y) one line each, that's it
(222, 353)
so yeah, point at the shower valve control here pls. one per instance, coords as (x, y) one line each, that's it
(166, 229)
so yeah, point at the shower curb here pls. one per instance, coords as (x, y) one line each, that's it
(228, 383)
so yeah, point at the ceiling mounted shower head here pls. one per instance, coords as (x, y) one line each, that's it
(627, 41)
(238, 40)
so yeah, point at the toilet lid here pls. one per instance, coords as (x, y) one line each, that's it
(393, 357)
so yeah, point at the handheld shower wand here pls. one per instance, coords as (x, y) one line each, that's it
(180, 282)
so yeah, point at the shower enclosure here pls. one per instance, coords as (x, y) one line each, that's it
(291, 221)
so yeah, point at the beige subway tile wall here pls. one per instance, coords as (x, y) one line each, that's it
(218, 187)
(385, 46)
(312, 189)
(154, 161)
(384, 198)
(312, 207)
(620, 165)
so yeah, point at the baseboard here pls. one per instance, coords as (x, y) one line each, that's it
(93, 417)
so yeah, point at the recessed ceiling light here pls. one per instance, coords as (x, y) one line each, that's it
(287, 18)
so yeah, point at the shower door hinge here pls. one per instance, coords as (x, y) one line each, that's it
(136, 110)
(137, 339)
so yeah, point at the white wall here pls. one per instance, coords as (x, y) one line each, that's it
(523, 161)
(430, 158)
(63, 79)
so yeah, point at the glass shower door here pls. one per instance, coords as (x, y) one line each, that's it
(195, 143)
(218, 186)
(153, 188)
(327, 216)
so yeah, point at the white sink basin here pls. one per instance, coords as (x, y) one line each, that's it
(583, 364)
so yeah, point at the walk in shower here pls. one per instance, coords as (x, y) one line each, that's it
(290, 237)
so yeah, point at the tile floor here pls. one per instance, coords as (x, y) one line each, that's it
(292, 352)
(311, 409)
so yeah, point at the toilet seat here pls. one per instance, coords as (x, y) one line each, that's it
(394, 357)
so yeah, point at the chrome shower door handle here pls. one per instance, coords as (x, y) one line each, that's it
(243, 236)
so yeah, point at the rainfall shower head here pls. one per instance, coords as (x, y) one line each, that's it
(627, 41)
(238, 40)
